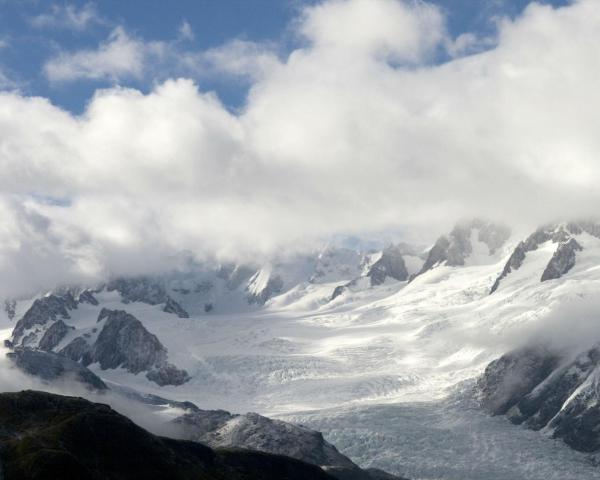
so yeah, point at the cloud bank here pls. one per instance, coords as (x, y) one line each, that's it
(359, 128)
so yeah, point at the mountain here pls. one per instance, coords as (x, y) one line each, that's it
(407, 326)
(219, 428)
(46, 436)
(543, 388)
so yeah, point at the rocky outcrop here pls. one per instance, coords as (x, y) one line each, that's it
(218, 428)
(146, 290)
(53, 335)
(52, 367)
(46, 436)
(259, 292)
(167, 374)
(514, 262)
(87, 297)
(235, 275)
(564, 257)
(42, 311)
(390, 264)
(171, 306)
(77, 350)
(221, 429)
(337, 291)
(437, 254)
(125, 343)
(562, 261)
(454, 249)
(542, 388)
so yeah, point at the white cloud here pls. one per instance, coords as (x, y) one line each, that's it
(121, 56)
(68, 17)
(397, 31)
(237, 58)
(185, 31)
(352, 132)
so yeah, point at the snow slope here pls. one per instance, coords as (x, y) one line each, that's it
(377, 368)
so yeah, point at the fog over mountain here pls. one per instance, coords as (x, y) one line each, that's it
(398, 126)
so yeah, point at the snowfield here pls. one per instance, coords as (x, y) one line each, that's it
(384, 372)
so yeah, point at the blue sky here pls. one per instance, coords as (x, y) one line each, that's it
(32, 32)
(133, 130)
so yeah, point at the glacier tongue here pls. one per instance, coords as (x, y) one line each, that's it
(376, 368)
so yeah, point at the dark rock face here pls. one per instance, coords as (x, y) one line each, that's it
(218, 428)
(146, 290)
(87, 297)
(167, 374)
(122, 342)
(514, 263)
(77, 350)
(54, 335)
(437, 254)
(173, 307)
(43, 310)
(562, 261)
(337, 291)
(51, 366)
(222, 429)
(235, 275)
(454, 249)
(273, 287)
(544, 389)
(391, 264)
(45, 437)
(510, 378)
(125, 342)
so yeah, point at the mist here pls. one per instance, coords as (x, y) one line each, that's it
(351, 132)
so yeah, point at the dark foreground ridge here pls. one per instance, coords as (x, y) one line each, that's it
(46, 436)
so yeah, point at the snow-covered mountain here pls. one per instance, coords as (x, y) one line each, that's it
(339, 333)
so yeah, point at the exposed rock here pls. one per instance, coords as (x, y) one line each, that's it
(171, 306)
(437, 254)
(139, 289)
(53, 336)
(43, 310)
(219, 428)
(337, 291)
(554, 233)
(238, 275)
(146, 290)
(77, 350)
(51, 367)
(10, 308)
(454, 249)
(125, 343)
(514, 262)
(260, 295)
(222, 429)
(544, 389)
(391, 264)
(511, 377)
(562, 261)
(167, 374)
(46, 436)
(87, 297)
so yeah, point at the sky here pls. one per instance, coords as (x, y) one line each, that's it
(133, 131)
